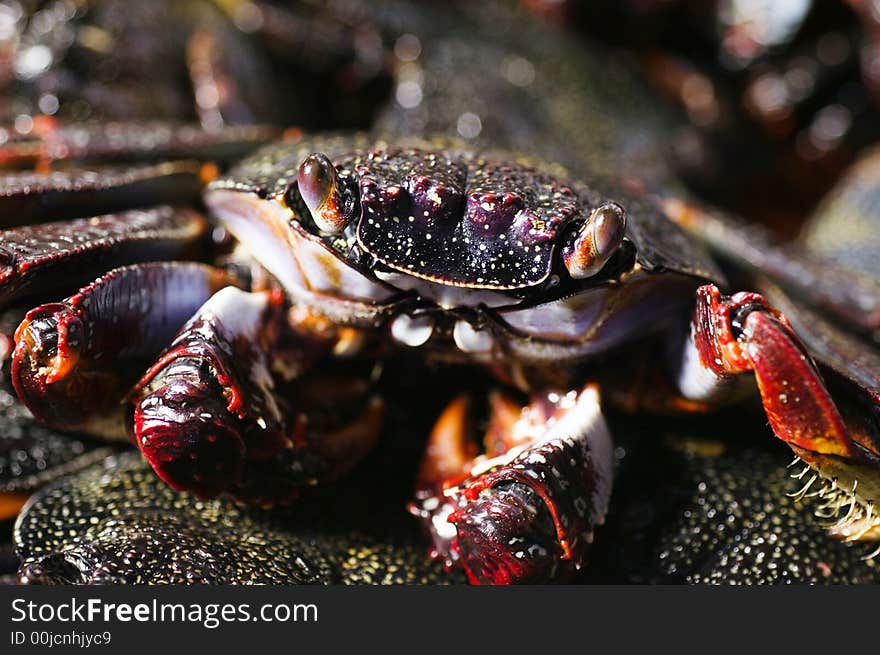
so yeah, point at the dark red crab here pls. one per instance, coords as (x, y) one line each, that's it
(515, 266)
(480, 257)
(455, 254)
(460, 255)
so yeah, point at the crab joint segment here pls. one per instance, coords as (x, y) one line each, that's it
(743, 333)
(596, 240)
(525, 514)
(321, 190)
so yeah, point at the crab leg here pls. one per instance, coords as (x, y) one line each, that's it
(844, 292)
(525, 510)
(74, 360)
(131, 142)
(809, 411)
(215, 413)
(741, 333)
(43, 258)
(28, 197)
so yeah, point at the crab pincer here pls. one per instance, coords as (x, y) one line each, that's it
(524, 511)
(224, 409)
(75, 359)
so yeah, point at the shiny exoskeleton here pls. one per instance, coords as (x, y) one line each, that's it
(445, 236)
(476, 256)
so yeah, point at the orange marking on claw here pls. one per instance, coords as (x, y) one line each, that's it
(451, 447)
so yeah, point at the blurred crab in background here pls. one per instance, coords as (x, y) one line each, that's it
(277, 331)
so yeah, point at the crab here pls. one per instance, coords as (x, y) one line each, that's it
(536, 256)
(465, 256)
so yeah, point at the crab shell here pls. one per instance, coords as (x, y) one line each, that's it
(455, 248)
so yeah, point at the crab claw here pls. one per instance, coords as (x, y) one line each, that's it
(829, 422)
(215, 415)
(523, 512)
(597, 239)
(322, 191)
(74, 360)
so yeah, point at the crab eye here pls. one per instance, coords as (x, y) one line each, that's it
(597, 239)
(321, 190)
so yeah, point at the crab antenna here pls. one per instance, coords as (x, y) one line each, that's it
(597, 239)
(321, 190)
